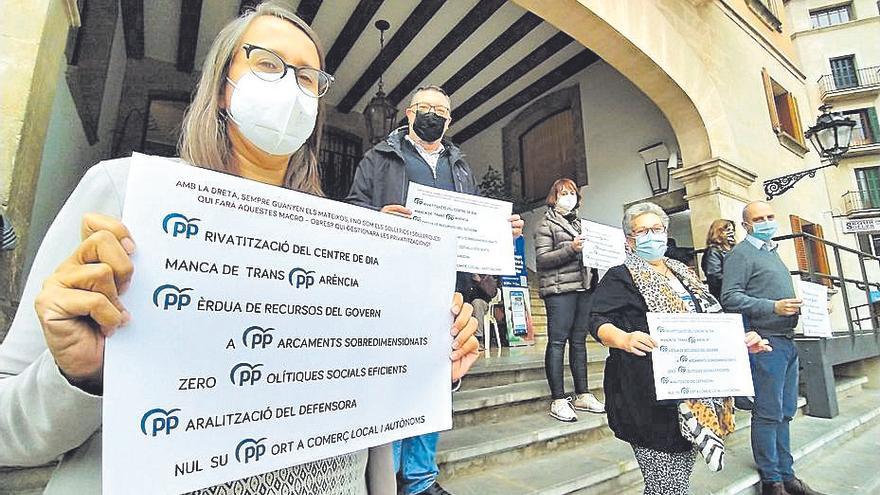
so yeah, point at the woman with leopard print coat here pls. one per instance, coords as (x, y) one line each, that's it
(664, 435)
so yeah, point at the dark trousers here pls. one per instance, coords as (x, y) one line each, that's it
(567, 318)
(775, 375)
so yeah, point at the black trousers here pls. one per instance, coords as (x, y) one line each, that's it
(567, 318)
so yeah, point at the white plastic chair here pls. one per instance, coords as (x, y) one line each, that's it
(490, 325)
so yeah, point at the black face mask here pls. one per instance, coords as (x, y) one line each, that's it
(429, 126)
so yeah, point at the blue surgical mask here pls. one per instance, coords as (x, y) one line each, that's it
(764, 230)
(651, 246)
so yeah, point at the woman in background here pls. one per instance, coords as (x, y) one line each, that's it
(565, 285)
(719, 241)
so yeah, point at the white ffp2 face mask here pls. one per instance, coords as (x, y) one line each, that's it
(566, 202)
(277, 116)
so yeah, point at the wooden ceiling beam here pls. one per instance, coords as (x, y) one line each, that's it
(538, 56)
(549, 81)
(411, 27)
(493, 50)
(352, 30)
(475, 18)
(307, 10)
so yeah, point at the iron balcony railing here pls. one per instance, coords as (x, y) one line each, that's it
(854, 201)
(848, 80)
(861, 138)
(860, 291)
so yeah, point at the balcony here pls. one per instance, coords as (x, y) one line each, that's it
(861, 202)
(849, 85)
(863, 143)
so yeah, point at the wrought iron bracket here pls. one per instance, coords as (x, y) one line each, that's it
(779, 185)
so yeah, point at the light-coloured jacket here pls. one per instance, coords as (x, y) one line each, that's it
(43, 417)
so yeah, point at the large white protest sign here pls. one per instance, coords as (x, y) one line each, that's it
(270, 328)
(604, 246)
(814, 318)
(699, 355)
(481, 225)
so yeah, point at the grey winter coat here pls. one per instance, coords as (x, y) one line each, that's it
(560, 267)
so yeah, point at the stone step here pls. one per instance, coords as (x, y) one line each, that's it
(494, 404)
(514, 366)
(602, 465)
(852, 469)
(475, 381)
(808, 436)
(471, 449)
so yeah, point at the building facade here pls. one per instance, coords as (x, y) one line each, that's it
(837, 45)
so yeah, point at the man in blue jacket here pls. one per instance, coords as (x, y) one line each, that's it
(758, 284)
(417, 153)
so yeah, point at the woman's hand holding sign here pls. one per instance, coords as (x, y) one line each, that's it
(79, 306)
(465, 348)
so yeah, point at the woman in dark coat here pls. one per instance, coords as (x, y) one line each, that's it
(565, 286)
(719, 241)
(663, 434)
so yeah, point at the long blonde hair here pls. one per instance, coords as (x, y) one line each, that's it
(204, 141)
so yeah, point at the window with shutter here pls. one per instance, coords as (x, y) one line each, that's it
(812, 255)
(843, 71)
(771, 101)
(785, 118)
(868, 181)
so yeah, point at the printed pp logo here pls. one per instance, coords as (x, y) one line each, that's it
(249, 450)
(170, 296)
(245, 374)
(418, 201)
(159, 420)
(300, 277)
(257, 336)
(180, 225)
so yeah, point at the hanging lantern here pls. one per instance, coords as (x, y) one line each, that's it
(380, 113)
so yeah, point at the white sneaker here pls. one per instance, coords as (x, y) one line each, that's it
(561, 410)
(587, 402)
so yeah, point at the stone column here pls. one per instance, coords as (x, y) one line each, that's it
(716, 188)
(33, 34)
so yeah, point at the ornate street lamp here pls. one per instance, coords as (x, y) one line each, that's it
(380, 113)
(830, 136)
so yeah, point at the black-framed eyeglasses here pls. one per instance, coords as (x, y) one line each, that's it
(269, 66)
(441, 110)
(640, 232)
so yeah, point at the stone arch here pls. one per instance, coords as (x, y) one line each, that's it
(641, 42)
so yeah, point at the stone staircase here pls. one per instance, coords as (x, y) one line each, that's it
(539, 311)
(504, 442)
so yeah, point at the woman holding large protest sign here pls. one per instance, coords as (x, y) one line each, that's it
(665, 435)
(256, 114)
